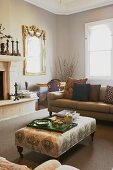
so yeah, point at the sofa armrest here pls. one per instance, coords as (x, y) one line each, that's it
(55, 95)
(49, 165)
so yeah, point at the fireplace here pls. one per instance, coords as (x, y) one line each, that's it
(8, 74)
(1, 86)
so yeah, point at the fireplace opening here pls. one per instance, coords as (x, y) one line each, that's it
(1, 86)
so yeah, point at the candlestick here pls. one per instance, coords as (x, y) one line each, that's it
(12, 46)
(7, 47)
(17, 50)
(16, 94)
(16, 97)
(2, 48)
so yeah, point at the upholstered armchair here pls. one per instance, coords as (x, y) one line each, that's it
(48, 165)
(53, 85)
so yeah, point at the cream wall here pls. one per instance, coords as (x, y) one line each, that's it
(4, 11)
(62, 38)
(65, 34)
(71, 37)
(77, 36)
(14, 14)
(62, 45)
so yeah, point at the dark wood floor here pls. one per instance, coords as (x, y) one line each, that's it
(85, 155)
(41, 105)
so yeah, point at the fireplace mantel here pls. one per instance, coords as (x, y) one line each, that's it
(9, 58)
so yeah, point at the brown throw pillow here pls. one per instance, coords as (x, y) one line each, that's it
(68, 91)
(94, 93)
(109, 95)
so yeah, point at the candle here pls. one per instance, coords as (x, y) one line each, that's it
(12, 42)
(17, 51)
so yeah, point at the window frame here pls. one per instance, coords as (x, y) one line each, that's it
(87, 57)
(30, 32)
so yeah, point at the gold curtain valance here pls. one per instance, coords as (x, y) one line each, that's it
(33, 31)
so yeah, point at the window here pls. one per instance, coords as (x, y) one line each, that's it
(34, 55)
(99, 49)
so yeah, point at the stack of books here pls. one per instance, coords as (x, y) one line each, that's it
(27, 94)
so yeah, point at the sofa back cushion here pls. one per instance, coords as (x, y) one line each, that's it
(68, 90)
(94, 93)
(81, 92)
(102, 93)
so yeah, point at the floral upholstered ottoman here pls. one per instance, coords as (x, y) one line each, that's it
(54, 143)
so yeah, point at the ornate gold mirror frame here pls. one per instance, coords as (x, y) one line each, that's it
(34, 50)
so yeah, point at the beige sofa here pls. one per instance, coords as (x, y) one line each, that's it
(98, 110)
(48, 165)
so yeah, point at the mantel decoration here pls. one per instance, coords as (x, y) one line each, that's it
(16, 96)
(66, 67)
(4, 47)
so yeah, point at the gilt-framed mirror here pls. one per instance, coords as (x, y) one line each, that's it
(34, 50)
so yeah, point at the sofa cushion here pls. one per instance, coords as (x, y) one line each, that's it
(109, 95)
(110, 108)
(93, 106)
(64, 103)
(94, 93)
(68, 91)
(81, 92)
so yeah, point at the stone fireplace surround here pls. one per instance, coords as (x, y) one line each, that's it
(10, 108)
(9, 66)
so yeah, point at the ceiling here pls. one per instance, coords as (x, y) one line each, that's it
(67, 7)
